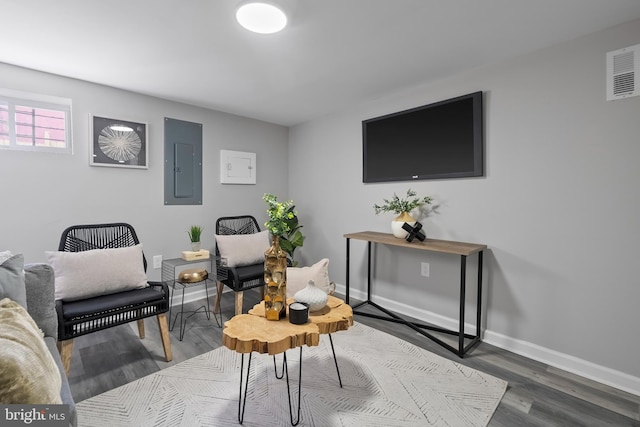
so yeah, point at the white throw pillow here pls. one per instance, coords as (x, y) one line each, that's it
(96, 272)
(243, 249)
(298, 277)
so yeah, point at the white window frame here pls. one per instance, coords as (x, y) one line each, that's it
(12, 98)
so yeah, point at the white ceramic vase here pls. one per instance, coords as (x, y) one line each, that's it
(313, 296)
(398, 231)
(398, 222)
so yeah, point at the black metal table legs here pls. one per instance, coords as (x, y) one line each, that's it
(244, 382)
(335, 361)
(244, 385)
(286, 370)
(242, 397)
(202, 309)
(423, 328)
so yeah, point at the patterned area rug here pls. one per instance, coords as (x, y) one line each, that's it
(386, 382)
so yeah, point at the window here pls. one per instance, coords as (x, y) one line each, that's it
(34, 122)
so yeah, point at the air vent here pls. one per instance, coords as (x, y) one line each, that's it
(623, 73)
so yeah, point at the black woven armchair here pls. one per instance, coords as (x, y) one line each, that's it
(81, 317)
(238, 279)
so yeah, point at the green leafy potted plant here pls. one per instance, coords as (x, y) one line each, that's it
(402, 207)
(283, 222)
(194, 232)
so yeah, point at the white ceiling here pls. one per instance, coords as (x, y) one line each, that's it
(334, 54)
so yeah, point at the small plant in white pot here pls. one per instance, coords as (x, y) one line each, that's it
(402, 207)
(195, 231)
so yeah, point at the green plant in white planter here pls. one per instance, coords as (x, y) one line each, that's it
(195, 231)
(402, 207)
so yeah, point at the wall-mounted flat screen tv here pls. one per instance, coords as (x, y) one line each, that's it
(440, 140)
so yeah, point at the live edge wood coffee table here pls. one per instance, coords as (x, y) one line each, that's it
(246, 333)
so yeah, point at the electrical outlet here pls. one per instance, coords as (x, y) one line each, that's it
(424, 269)
(157, 261)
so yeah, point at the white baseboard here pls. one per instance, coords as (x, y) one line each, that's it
(566, 362)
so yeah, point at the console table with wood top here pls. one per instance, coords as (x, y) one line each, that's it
(442, 246)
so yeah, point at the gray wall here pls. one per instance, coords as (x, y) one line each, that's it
(44, 193)
(558, 208)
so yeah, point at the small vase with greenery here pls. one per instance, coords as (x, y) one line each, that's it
(402, 207)
(194, 232)
(283, 222)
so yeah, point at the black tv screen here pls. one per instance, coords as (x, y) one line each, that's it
(440, 140)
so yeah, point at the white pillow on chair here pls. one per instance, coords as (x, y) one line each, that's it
(243, 249)
(87, 274)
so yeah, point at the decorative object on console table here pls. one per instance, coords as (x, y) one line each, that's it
(397, 225)
(414, 232)
(402, 208)
(275, 278)
(313, 296)
(195, 231)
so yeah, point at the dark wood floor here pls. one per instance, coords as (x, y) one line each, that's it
(538, 395)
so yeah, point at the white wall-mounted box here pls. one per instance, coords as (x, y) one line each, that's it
(237, 167)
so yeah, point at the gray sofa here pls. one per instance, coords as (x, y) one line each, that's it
(39, 283)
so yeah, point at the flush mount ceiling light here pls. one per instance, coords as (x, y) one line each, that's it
(261, 17)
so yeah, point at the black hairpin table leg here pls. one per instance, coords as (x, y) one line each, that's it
(286, 370)
(275, 368)
(242, 397)
(244, 386)
(335, 360)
